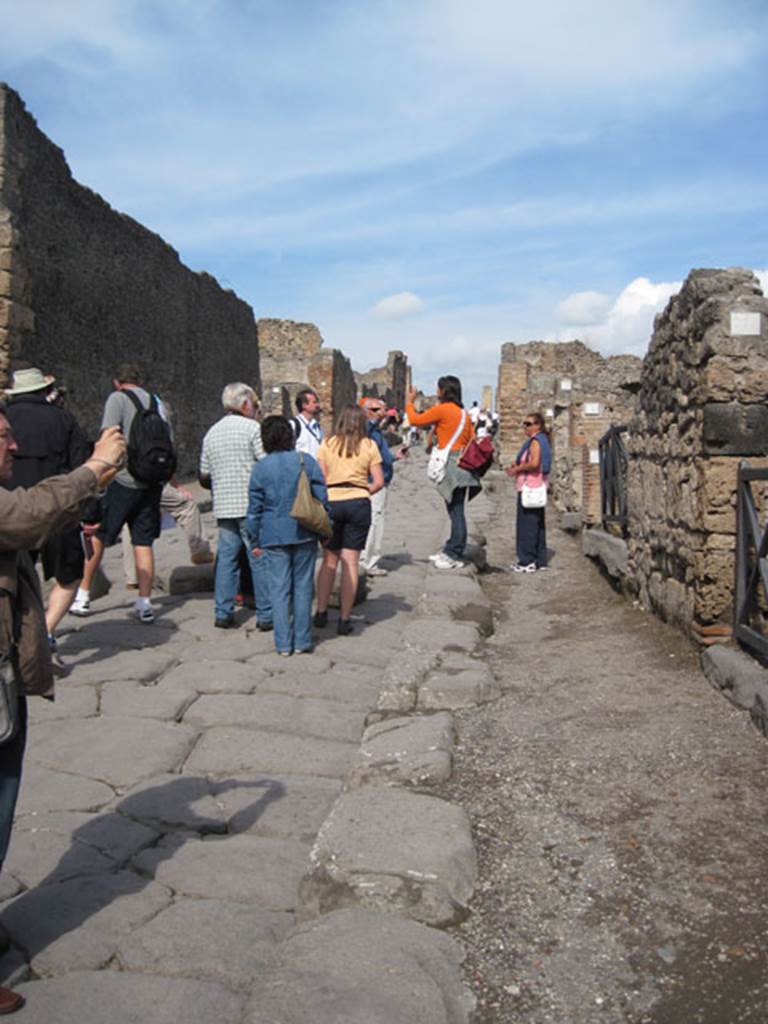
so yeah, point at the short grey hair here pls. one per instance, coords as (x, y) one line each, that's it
(233, 396)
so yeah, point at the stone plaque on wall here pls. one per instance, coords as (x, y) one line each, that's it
(745, 324)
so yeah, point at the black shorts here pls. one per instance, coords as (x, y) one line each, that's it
(139, 508)
(63, 557)
(351, 522)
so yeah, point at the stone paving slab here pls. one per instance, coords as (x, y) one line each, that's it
(406, 751)
(118, 751)
(110, 664)
(43, 789)
(290, 806)
(98, 997)
(64, 844)
(215, 677)
(128, 697)
(171, 801)
(213, 940)
(70, 702)
(226, 750)
(77, 925)
(223, 648)
(358, 967)
(354, 690)
(244, 868)
(385, 848)
(443, 691)
(124, 633)
(304, 716)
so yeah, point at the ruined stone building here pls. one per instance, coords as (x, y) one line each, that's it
(293, 358)
(83, 288)
(580, 393)
(390, 382)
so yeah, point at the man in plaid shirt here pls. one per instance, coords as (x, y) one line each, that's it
(230, 449)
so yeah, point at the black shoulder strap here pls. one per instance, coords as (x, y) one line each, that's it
(135, 400)
(296, 427)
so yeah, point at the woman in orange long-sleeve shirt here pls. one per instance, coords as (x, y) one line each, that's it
(446, 416)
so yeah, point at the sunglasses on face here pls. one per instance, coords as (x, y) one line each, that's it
(529, 423)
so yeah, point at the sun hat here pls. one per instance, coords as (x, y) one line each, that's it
(32, 379)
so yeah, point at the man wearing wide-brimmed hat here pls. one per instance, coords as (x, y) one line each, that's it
(48, 442)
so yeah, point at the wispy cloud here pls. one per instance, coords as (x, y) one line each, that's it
(395, 307)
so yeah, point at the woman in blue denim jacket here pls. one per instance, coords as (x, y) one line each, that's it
(288, 548)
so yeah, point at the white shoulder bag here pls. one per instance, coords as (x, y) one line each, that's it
(534, 497)
(439, 456)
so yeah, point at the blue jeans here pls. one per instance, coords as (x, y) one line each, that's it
(454, 546)
(11, 756)
(290, 570)
(232, 538)
(531, 535)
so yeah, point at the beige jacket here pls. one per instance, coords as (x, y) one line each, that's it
(27, 518)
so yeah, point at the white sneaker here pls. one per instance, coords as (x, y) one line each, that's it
(516, 567)
(146, 614)
(376, 571)
(437, 554)
(443, 561)
(80, 606)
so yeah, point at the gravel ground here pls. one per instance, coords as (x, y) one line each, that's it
(619, 809)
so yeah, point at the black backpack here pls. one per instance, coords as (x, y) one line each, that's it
(151, 458)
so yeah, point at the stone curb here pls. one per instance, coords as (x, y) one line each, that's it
(387, 847)
(741, 679)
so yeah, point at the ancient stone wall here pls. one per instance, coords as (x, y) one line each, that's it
(285, 351)
(83, 288)
(486, 397)
(580, 393)
(330, 374)
(390, 382)
(701, 409)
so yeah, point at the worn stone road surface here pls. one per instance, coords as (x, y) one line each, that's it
(207, 831)
(619, 808)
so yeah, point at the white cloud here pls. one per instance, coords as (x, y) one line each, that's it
(627, 325)
(583, 308)
(397, 306)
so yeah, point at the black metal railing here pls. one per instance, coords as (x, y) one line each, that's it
(613, 477)
(751, 583)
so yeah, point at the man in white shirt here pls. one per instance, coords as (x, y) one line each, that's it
(306, 427)
(230, 449)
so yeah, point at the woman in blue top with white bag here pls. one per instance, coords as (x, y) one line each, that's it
(531, 473)
(287, 547)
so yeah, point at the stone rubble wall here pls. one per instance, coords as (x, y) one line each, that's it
(580, 393)
(83, 288)
(390, 382)
(701, 410)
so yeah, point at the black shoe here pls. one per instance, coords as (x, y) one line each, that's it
(265, 627)
(320, 620)
(344, 627)
(228, 622)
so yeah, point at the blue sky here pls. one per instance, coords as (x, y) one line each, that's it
(432, 175)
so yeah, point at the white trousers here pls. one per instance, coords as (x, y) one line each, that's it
(372, 554)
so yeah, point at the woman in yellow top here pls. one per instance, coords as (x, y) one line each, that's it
(351, 464)
(446, 416)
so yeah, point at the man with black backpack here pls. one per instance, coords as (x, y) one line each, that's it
(133, 497)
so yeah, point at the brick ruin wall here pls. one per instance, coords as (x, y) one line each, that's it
(701, 409)
(83, 288)
(293, 358)
(390, 382)
(580, 393)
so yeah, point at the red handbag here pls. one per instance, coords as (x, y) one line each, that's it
(478, 456)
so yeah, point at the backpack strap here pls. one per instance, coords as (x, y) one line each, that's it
(136, 401)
